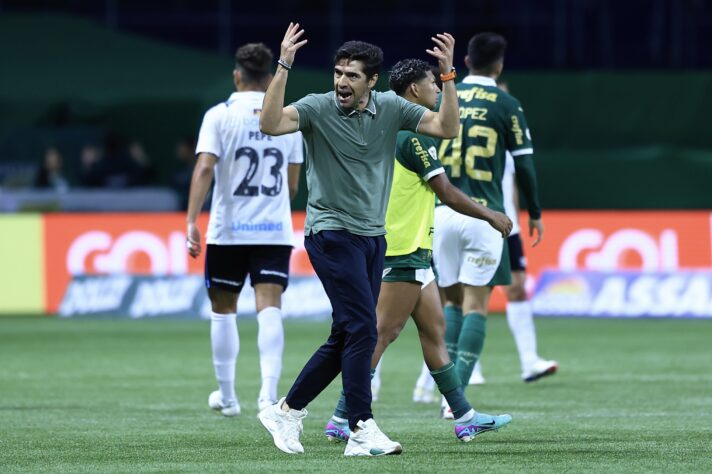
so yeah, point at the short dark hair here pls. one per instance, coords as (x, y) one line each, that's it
(254, 60)
(369, 54)
(405, 72)
(485, 50)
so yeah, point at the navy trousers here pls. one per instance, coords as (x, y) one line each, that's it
(350, 267)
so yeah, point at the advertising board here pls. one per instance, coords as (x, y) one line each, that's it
(649, 242)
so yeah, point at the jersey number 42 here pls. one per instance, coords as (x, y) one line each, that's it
(451, 152)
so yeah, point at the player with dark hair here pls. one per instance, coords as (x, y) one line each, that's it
(408, 286)
(519, 310)
(470, 257)
(250, 229)
(350, 134)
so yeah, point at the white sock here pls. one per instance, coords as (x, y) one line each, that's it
(467, 416)
(225, 343)
(521, 323)
(376, 379)
(270, 341)
(425, 380)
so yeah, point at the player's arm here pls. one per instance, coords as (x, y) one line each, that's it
(526, 181)
(275, 119)
(446, 122)
(199, 186)
(519, 144)
(515, 194)
(458, 201)
(293, 178)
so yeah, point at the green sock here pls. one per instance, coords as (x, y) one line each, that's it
(453, 325)
(449, 385)
(469, 345)
(341, 410)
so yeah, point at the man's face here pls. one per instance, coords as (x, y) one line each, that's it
(428, 91)
(351, 85)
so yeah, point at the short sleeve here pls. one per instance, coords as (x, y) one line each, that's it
(296, 155)
(209, 136)
(519, 139)
(419, 155)
(308, 109)
(410, 114)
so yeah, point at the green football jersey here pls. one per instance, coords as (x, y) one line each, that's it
(491, 123)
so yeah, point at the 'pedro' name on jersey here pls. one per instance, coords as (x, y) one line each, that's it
(250, 203)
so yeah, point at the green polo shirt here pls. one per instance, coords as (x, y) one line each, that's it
(349, 159)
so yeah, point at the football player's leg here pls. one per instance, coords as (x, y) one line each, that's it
(269, 269)
(482, 266)
(395, 304)
(447, 256)
(225, 274)
(429, 320)
(376, 381)
(225, 346)
(521, 324)
(477, 378)
(270, 339)
(474, 329)
(520, 320)
(453, 318)
(424, 386)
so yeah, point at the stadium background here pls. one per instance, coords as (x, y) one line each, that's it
(617, 108)
(616, 95)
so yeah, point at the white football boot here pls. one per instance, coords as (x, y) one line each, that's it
(540, 368)
(215, 402)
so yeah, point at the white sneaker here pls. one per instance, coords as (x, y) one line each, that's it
(215, 402)
(284, 426)
(423, 395)
(540, 368)
(263, 403)
(370, 441)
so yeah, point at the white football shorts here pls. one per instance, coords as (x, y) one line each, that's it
(465, 250)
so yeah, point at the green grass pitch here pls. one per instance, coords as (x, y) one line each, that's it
(131, 396)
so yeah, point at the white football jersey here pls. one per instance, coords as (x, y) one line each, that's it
(508, 193)
(250, 203)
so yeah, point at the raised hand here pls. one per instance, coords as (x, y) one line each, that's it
(443, 51)
(291, 43)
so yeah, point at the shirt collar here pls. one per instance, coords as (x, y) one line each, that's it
(480, 80)
(236, 94)
(370, 107)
